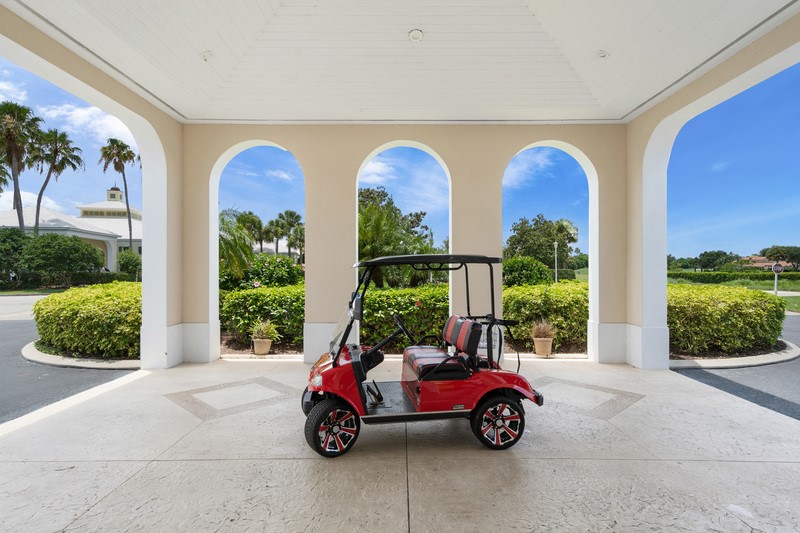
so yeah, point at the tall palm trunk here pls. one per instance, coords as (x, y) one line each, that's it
(128, 209)
(15, 169)
(39, 201)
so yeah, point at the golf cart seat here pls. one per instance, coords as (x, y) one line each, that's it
(459, 332)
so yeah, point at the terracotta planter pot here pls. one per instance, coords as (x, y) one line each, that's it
(261, 346)
(543, 346)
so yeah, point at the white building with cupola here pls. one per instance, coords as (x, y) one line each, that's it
(112, 216)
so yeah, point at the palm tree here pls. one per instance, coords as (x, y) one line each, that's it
(4, 175)
(56, 152)
(252, 223)
(275, 230)
(289, 220)
(19, 130)
(298, 239)
(117, 154)
(235, 243)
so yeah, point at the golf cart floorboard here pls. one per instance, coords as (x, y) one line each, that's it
(396, 407)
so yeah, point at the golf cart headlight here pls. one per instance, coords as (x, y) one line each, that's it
(316, 380)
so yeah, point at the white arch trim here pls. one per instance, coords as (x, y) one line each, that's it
(161, 343)
(599, 350)
(648, 343)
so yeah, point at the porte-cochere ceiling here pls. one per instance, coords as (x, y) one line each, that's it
(356, 61)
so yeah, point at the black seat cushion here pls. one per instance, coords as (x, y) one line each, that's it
(463, 333)
(423, 359)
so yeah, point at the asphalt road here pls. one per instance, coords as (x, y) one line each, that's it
(775, 387)
(26, 386)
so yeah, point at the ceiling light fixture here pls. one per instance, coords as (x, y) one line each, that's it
(206, 55)
(602, 54)
(415, 36)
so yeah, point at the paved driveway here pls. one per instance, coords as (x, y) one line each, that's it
(772, 386)
(26, 386)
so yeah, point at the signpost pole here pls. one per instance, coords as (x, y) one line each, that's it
(777, 269)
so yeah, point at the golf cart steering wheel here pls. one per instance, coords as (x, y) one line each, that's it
(403, 328)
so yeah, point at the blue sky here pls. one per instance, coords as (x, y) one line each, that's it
(733, 178)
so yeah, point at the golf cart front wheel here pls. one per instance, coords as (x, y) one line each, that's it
(498, 422)
(332, 428)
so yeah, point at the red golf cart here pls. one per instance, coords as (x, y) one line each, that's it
(455, 377)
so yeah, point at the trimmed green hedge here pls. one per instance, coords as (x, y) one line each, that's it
(285, 306)
(101, 321)
(721, 277)
(424, 311)
(708, 318)
(36, 280)
(565, 305)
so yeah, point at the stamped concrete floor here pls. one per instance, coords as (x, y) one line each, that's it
(220, 447)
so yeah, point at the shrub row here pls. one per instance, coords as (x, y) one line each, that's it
(565, 305)
(35, 280)
(424, 311)
(285, 306)
(264, 271)
(523, 270)
(722, 319)
(721, 277)
(101, 321)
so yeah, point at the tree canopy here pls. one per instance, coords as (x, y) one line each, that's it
(536, 237)
(790, 254)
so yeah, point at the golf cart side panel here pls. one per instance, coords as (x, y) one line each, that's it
(339, 380)
(465, 394)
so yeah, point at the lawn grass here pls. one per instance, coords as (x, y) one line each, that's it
(765, 285)
(792, 303)
(29, 292)
(582, 274)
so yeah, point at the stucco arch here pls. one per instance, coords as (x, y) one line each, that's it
(648, 346)
(160, 347)
(594, 229)
(213, 233)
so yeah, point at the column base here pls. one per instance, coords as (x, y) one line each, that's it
(647, 348)
(317, 337)
(200, 342)
(161, 346)
(606, 342)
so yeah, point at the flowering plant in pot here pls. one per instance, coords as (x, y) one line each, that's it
(542, 333)
(264, 333)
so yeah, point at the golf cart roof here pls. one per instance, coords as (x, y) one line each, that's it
(429, 259)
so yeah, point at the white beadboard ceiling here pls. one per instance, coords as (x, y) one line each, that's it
(352, 60)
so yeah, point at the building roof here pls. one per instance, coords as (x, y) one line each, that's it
(109, 204)
(118, 226)
(49, 219)
(531, 61)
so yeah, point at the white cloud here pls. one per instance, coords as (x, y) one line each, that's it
(527, 165)
(720, 166)
(90, 121)
(12, 91)
(377, 172)
(279, 174)
(28, 200)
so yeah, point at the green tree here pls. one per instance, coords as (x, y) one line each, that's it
(274, 230)
(12, 242)
(53, 252)
(130, 262)
(290, 220)
(117, 155)
(535, 238)
(383, 230)
(5, 175)
(298, 240)
(19, 131)
(714, 259)
(790, 254)
(580, 261)
(56, 153)
(252, 223)
(684, 263)
(235, 244)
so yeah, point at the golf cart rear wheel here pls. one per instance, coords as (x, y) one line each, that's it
(498, 422)
(332, 428)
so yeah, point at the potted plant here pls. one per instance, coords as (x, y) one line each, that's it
(263, 334)
(542, 333)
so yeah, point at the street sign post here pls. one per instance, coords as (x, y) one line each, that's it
(777, 269)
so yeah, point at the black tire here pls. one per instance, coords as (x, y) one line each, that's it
(498, 422)
(332, 428)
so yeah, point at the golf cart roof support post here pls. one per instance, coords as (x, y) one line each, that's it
(466, 284)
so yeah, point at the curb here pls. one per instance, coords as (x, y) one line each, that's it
(30, 353)
(790, 353)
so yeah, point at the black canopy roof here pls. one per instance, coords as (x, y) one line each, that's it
(429, 259)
